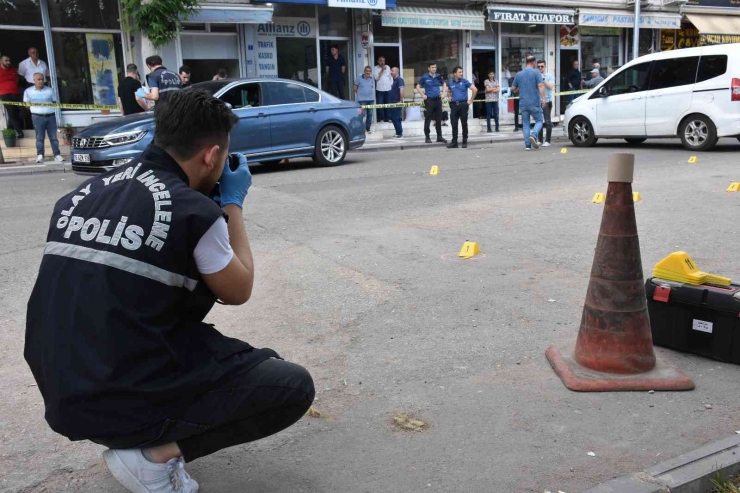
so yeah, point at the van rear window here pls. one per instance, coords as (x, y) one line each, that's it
(711, 66)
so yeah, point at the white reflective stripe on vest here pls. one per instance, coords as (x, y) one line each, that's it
(120, 262)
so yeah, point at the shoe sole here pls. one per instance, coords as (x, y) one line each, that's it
(535, 144)
(122, 474)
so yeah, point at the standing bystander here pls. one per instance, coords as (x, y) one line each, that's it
(32, 65)
(184, 73)
(364, 92)
(459, 105)
(574, 80)
(528, 84)
(44, 119)
(434, 86)
(493, 89)
(9, 92)
(128, 103)
(335, 69)
(595, 79)
(549, 82)
(396, 96)
(383, 83)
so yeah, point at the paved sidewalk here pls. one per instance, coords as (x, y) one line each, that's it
(21, 168)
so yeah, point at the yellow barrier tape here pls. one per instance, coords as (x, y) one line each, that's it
(64, 106)
(477, 101)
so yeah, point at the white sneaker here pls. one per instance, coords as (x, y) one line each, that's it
(527, 149)
(40, 158)
(545, 144)
(138, 475)
(58, 158)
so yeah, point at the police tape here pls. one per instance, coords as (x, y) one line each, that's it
(64, 106)
(421, 103)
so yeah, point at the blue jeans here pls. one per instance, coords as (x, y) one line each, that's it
(369, 113)
(491, 109)
(396, 119)
(45, 125)
(383, 97)
(536, 113)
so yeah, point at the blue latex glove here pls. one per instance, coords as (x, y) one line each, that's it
(234, 185)
(140, 93)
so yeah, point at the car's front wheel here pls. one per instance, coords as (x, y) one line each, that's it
(331, 147)
(581, 132)
(698, 133)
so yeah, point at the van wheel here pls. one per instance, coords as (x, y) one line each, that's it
(331, 147)
(634, 142)
(698, 133)
(581, 132)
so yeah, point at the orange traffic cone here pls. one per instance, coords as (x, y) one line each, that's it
(614, 350)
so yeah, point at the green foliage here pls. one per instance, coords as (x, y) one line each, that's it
(159, 20)
(9, 132)
(722, 485)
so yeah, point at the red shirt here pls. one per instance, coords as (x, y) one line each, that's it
(8, 81)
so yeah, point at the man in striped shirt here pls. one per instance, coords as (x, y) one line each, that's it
(44, 119)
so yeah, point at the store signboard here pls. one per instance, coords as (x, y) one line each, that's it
(627, 20)
(569, 39)
(713, 3)
(265, 55)
(600, 31)
(288, 27)
(432, 21)
(718, 39)
(676, 39)
(525, 16)
(358, 4)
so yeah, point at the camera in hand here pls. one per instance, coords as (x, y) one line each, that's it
(233, 161)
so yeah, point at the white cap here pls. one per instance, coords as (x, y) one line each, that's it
(595, 71)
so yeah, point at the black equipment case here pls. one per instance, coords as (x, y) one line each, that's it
(703, 320)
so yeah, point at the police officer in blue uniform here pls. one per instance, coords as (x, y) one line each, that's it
(460, 104)
(434, 88)
(134, 260)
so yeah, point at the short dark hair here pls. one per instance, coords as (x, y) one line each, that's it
(542, 62)
(454, 70)
(131, 68)
(336, 47)
(431, 63)
(154, 60)
(191, 120)
(222, 72)
(184, 70)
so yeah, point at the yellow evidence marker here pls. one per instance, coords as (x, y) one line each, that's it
(564, 150)
(636, 197)
(679, 267)
(469, 249)
(734, 187)
(598, 198)
(693, 160)
(434, 171)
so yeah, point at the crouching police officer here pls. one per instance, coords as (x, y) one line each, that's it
(134, 260)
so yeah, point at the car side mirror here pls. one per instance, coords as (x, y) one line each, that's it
(603, 91)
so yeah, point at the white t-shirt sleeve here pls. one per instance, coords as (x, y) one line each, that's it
(213, 252)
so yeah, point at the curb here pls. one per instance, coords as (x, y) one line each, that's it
(688, 473)
(20, 170)
(416, 145)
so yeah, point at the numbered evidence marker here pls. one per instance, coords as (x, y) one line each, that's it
(434, 171)
(564, 150)
(734, 187)
(599, 198)
(469, 249)
(636, 197)
(693, 160)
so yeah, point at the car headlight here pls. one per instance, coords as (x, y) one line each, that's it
(124, 137)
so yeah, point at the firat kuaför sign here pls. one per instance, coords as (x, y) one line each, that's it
(530, 16)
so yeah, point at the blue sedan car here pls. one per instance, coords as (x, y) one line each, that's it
(278, 119)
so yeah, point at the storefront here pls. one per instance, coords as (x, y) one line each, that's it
(706, 22)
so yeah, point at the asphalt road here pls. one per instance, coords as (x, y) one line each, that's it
(357, 280)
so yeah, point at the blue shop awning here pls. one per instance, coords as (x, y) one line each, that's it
(389, 4)
(240, 14)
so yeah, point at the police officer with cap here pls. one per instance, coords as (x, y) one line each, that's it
(434, 88)
(134, 260)
(459, 106)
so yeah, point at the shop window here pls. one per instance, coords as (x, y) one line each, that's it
(243, 96)
(286, 93)
(89, 66)
(601, 49)
(20, 13)
(207, 54)
(514, 53)
(422, 46)
(633, 79)
(383, 34)
(223, 28)
(711, 66)
(297, 60)
(96, 14)
(523, 29)
(673, 72)
(334, 22)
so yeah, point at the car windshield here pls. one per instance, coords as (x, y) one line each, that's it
(212, 86)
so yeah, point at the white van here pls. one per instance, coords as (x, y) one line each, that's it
(693, 93)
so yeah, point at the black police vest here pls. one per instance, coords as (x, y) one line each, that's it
(167, 82)
(114, 332)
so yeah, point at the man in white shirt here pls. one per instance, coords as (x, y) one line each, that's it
(383, 83)
(44, 119)
(32, 65)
